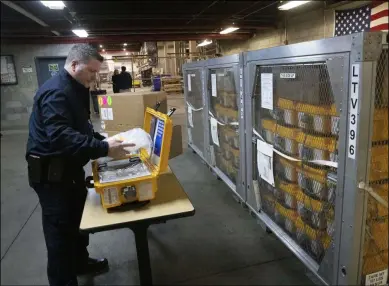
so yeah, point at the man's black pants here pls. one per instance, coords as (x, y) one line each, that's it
(62, 207)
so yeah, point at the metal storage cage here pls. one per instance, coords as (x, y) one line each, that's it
(373, 168)
(317, 152)
(225, 118)
(194, 88)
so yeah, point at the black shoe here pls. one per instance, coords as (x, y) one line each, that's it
(94, 267)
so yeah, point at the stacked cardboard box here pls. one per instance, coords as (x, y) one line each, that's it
(123, 111)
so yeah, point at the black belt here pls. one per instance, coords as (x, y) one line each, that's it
(52, 170)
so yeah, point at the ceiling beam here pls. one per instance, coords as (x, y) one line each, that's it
(89, 17)
(22, 11)
(163, 29)
(176, 28)
(120, 39)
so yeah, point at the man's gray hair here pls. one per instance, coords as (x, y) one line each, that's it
(83, 53)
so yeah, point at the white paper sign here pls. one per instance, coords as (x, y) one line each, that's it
(104, 113)
(267, 90)
(26, 70)
(378, 278)
(214, 133)
(353, 113)
(190, 116)
(213, 85)
(265, 161)
(189, 82)
(110, 114)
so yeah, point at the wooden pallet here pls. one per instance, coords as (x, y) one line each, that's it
(171, 83)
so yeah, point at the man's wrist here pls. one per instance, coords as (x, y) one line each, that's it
(104, 148)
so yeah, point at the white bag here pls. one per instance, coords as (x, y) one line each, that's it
(136, 136)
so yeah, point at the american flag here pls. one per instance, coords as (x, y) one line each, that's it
(373, 17)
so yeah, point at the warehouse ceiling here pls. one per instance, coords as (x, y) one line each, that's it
(137, 21)
(133, 22)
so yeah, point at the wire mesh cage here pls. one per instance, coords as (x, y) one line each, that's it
(194, 101)
(375, 245)
(303, 126)
(223, 108)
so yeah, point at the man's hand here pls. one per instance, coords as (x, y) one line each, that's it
(116, 148)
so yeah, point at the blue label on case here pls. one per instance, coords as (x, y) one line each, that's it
(158, 136)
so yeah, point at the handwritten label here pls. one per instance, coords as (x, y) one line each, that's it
(353, 111)
(267, 90)
(377, 278)
(110, 114)
(106, 113)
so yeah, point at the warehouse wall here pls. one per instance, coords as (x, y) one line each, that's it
(112, 65)
(16, 100)
(300, 27)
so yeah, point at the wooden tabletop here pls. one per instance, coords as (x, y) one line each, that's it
(170, 202)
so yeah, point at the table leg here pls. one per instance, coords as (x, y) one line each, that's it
(142, 251)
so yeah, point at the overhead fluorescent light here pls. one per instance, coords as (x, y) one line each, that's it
(126, 54)
(103, 50)
(80, 33)
(124, 49)
(55, 5)
(101, 46)
(292, 4)
(125, 44)
(229, 30)
(204, 43)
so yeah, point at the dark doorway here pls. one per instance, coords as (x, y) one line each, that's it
(47, 67)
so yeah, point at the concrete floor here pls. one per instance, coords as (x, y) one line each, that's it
(222, 244)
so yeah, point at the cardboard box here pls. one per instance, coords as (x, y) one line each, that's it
(175, 146)
(123, 111)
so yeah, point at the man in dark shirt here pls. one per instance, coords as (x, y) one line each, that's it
(125, 80)
(61, 141)
(115, 81)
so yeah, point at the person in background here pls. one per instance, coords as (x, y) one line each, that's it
(115, 81)
(125, 80)
(61, 142)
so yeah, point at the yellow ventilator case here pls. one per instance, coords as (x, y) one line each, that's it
(113, 194)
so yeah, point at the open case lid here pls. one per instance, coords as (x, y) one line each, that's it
(160, 128)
